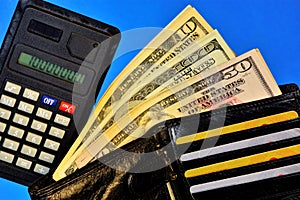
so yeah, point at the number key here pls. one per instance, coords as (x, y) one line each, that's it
(20, 119)
(16, 132)
(4, 114)
(33, 138)
(10, 144)
(27, 150)
(39, 126)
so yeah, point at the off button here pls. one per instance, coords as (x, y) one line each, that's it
(49, 101)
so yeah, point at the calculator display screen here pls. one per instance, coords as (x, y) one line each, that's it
(50, 68)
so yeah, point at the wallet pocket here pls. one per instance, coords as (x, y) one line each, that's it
(223, 154)
(116, 178)
(99, 181)
(278, 187)
(224, 116)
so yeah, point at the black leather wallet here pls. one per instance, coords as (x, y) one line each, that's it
(118, 179)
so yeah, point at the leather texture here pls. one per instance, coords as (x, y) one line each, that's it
(99, 181)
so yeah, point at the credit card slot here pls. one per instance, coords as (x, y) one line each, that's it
(244, 170)
(242, 135)
(265, 156)
(282, 187)
(223, 157)
(227, 129)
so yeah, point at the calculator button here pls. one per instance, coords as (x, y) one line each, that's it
(67, 107)
(49, 101)
(20, 119)
(10, 144)
(31, 94)
(12, 88)
(39, 126)
(8, 101)
(4, 114)
(26, 107)
(2, 127)
(46, 157)
(33, 138)
(57, 132)
(23, 163)
(7, 157)
(50, 144)
(41, 169)
(62, 120)
(43, 113)
(29, 151)
(16, 132)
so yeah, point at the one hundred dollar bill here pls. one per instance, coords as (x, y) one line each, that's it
(242, 79)
(189, 25)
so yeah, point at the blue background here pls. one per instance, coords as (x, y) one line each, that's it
(270, 25)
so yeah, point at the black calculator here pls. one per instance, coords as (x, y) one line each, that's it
(52, 64)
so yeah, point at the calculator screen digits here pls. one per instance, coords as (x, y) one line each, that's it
(52, 69)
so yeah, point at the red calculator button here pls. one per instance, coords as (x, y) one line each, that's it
(67, 107)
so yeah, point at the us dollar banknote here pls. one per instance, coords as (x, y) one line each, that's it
(188, 26)
(206, 53)
(242, 79)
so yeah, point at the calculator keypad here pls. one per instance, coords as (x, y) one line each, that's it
(38, 124)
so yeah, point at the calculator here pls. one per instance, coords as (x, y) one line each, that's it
(52, 64)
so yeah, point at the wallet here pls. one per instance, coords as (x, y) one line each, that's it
(127, 176)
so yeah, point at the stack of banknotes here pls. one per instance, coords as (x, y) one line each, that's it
(186, 69)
